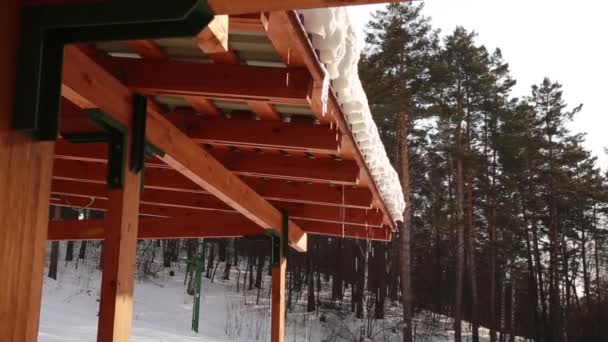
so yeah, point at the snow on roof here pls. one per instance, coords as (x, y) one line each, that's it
(333, 35)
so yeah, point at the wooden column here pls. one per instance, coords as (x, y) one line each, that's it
(25, 185)
(119, 259)
(277, 327)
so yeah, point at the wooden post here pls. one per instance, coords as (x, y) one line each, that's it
(277, 327)
(25, 185)
(119, 258)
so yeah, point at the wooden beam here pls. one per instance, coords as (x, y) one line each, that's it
(25, 184)
(227, 223)
(88, 85)
(270, 189)
(348, 231)
(248, 133)
(248, 6)
(289, 38)
(237, 82)
(246, 23)
(173, 203)
(213, 41)
(322, 170)
(147, 49)
(202, 225)
(264, 110)
(119, 259)
(150, 50)
(277, 306)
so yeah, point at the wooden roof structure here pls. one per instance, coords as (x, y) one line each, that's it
(236, 91)
(237, 143)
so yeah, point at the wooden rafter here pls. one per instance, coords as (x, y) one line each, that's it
(217, 225)
(270, 189)
(205, 224)
(213, 41)
(150, 50)
(237, 82)
(184, 202)
(265, 165)
(291, 41)
(88, 85)
(262, 134)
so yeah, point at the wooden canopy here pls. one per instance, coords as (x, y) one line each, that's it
(242, 97)
(232, 118)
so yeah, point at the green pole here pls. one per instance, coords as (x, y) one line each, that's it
(199, 264)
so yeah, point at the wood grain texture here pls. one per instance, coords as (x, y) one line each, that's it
(88, 85)
(277, 306)
(25, 184)
(119, 260)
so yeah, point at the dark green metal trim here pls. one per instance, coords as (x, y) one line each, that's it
(153, 150)
(285, 231)
(86, 137)
(138, 139)
(279, 243)
(117, 155)
(116, 134)
(46, 29)
(275, 250)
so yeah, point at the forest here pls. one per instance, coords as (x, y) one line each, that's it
(506, 224)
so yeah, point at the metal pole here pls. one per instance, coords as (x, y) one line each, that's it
(199, 264)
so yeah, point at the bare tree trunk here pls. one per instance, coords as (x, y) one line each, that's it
(405, 231)
(460, 238)
(470, 244)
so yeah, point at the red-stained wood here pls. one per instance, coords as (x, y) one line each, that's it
(270, 189)
(248, 133)
(88, 85)
(246, 23)
(172, 203)
(147, 49)
(250, 164)
(237, 82)
(202, 225)
(225, 219)
(25, 184)
(120, 249)
(290, 39)
(213, 41)
(264, 110)
(150, 50)
(203, 106)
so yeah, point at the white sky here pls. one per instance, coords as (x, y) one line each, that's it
(564, 40)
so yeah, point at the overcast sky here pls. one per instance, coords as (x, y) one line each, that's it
(564, 40)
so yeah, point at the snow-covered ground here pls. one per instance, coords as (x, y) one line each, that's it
(163, 312)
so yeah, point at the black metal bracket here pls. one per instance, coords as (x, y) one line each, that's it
(116, 137)
(279, 244)
(46, 29)
(138, 138)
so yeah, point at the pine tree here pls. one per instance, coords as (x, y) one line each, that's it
(395, 68)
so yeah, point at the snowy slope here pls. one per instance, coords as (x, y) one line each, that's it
(163, 310)
(335, 38)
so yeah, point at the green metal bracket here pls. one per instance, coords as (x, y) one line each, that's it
(275, 249)
(279, 244)
(138, 139)
(116, 138)
(86, 137)
(46, 29)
